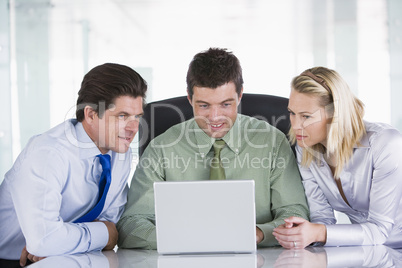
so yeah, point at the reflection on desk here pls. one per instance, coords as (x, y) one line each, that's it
(95, 259)
(337, 257)
(209, 261)
(361, 256)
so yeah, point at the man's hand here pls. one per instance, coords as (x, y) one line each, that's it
(25, 255)
(113, 235)
(260, 235)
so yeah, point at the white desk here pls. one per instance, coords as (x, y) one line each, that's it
(368, 256)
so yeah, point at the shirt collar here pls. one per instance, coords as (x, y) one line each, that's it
(87, 148)
(363, 142)
(204, 142)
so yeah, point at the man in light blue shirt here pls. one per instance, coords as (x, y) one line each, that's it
(54, 180)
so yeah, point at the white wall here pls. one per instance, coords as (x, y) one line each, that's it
(52, 44)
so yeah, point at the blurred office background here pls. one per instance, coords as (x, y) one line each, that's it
(46, 47)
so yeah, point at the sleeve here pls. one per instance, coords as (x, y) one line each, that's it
(320, 209)
(384, 198)
(137, 225)
(386, 189)
(36, 194)
(287, 193)
(385, 195)
(119, 197)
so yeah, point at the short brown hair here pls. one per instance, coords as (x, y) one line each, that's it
(104, 83)
(213, 68)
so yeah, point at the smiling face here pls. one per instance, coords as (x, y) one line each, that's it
(308, 119)
(118, 125)
(215, 109)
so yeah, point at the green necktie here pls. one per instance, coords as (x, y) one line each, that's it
(217, 171)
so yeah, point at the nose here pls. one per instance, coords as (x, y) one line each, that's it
(214, 114)
(132, 125)
(296, 122)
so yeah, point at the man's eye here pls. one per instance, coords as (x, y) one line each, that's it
(122, 116)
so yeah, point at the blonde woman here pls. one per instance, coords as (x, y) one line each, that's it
(347, 164)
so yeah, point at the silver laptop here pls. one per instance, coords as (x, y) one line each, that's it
(205, 217)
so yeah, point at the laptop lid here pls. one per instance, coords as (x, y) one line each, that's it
(205, 217)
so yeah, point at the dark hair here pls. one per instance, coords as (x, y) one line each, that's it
(213, 68)
(104, 83)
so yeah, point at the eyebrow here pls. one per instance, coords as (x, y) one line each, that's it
(201, 101)
(126, 113)
(230, 99)
(290, 110)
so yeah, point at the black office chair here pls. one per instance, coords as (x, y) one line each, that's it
(161, 115)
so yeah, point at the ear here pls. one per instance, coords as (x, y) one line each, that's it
(189, 99)
(240, 96)
(89, 114)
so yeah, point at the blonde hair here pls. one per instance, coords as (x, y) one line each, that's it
(346, 128)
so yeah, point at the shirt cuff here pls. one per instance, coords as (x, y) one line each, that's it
(269, 240)
(99, 235)
(344, 235)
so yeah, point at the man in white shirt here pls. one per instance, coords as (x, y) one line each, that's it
(55, 180)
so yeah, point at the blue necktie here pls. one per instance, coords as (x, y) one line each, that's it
(104, 185)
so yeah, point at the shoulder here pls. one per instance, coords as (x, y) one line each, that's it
(43, 154)
(173, 137)
(380, 134)
(55, 139)
(174, 133)
(383, 141)
(259, 127)
(57, 144)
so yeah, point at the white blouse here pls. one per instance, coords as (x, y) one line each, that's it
(372, 185)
